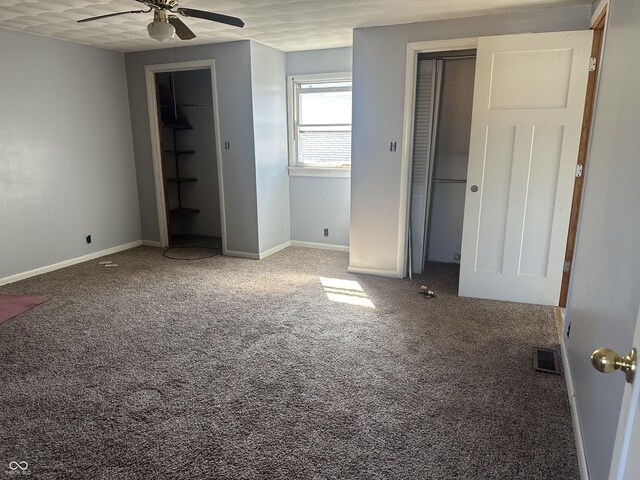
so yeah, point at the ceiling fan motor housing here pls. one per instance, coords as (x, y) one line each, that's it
(162, 4)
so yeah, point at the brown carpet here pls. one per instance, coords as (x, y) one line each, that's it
(13, 305)
(237, 369)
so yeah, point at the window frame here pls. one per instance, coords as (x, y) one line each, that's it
(293, 124)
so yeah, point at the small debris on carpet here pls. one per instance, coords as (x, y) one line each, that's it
(426, 292)
(107, 263)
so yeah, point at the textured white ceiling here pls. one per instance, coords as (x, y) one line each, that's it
(287, 25)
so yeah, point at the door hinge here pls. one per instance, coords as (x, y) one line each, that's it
(579, 170)
(566, 266)
(592, 64)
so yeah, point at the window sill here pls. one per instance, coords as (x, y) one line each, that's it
(336, 172)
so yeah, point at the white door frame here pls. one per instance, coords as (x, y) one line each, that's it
(413, 49)
(156, 154)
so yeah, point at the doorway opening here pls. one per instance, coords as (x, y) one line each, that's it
(184, 125)
(442, 126)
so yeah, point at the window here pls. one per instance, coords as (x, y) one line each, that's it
(319, 123)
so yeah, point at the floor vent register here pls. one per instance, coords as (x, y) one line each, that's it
(545, 360)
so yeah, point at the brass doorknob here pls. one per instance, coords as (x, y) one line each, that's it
(606, 360)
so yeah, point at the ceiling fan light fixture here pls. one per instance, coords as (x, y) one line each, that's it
(161, 30)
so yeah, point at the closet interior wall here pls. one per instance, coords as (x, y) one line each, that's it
(444, 99)
(189, 101)
(450, 161)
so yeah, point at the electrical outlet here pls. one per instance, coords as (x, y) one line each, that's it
(88, 238)
(326, 232)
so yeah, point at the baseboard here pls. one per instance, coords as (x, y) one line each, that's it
(282, 246)
(249, 255)
(151, 243)
(321, 246)
(373, 271)
(577, 430)
(275, 249)
(67, 263)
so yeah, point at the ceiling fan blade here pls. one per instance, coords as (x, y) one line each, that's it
(90, 19)
(214, 17)
(182, 30)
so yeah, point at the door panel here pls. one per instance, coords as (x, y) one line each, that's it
(422, 148)
(625, 462)
(524, 79)
(527, 114)
(492, 219)
(542, 184)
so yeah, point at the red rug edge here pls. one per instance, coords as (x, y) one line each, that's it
(14, 305)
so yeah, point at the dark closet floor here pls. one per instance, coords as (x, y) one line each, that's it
(183, 240)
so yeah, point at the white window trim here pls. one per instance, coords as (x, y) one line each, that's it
(294, 169)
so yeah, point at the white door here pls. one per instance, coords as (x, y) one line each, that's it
(625, 463)
(527, 115)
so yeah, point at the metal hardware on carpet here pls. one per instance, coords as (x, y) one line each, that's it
(426, 292)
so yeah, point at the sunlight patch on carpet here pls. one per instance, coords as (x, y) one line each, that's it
(345, 291)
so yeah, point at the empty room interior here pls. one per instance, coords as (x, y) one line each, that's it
(320, 239)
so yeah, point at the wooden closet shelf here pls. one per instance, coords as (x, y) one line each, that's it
(181, 179)
(204, 104)
(178, 126)
(181, 152)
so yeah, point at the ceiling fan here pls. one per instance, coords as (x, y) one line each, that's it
(165, 25)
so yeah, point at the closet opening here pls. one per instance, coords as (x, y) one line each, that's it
(186, 151)
(442, 128)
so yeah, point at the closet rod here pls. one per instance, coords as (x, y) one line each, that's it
(447, 180)
(435, 57)
(456, 58)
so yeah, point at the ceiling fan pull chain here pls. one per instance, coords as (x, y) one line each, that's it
(173, 83)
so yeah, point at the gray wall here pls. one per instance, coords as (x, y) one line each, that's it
(379, 58)
(66, 158)
(594, 5)
(268, 84)
(329, 60)
(233, 72)
(319, 202)
(605, 287)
